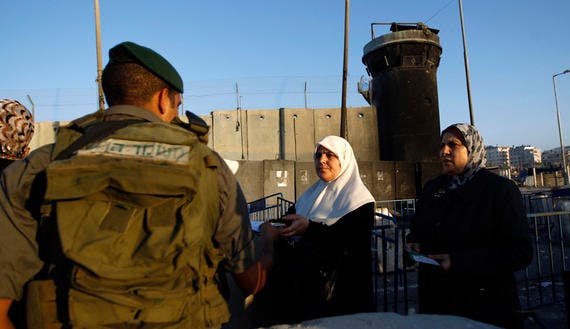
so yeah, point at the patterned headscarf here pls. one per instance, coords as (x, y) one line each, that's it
(476, 159)
(16, 129)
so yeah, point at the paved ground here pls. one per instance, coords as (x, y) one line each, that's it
(389, 321)
(550, 316)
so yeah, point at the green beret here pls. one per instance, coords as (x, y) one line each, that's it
(128, 52)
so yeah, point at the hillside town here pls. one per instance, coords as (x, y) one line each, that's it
(528, 165)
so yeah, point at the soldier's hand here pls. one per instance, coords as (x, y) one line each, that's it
(5, 322)
(272, 232)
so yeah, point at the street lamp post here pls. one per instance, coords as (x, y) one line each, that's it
(562, 151)
(466, 60)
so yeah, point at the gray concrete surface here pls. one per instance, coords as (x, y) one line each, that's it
(254, 136)
(551, 316)
(389, 321)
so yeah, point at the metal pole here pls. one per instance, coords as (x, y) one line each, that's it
(305, 94)
(33, 106)
(99, 57)
(562, 151)
(471, 116)
(237, 97)
(343, 113)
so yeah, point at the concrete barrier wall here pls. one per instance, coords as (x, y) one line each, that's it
(262, 135)
(275, 149)
(289, 134)
(366, 169)
(363, 133)
(305, 176)
(229, 134)
(44, 133)
(383, 180)
(279, 177)
(297, 134)
(250, 177)
(405, 174)
(386, 180)
(327, 122)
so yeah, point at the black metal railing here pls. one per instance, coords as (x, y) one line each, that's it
(542, 280)
(540, 284)
(393, 290)
(273, 206)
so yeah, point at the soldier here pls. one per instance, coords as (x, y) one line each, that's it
(127, 219)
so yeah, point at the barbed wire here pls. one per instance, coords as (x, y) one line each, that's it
(202, 97)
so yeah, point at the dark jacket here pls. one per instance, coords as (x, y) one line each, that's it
(4, 163)
(325, 272)
(482, 225)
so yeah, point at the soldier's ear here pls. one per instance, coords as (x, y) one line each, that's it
(163, 101)
(165, 106)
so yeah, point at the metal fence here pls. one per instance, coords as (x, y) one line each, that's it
(270, 207)
(391, 285)
(542, 283)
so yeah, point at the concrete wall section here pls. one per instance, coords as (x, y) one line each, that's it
(257, 138)
(405, 174)
(363, 132)
(298, 134)
(383, 180)
(44, 133)
(250, 179)
(327, 122)
(229, 131)
(366, 169)
(305, 176)
(262, 134)
(279, 177)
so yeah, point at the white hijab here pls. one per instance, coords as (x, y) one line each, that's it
(326, 202)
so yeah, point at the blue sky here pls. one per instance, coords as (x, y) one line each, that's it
(271, 47)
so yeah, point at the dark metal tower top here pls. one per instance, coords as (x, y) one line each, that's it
(403, 66)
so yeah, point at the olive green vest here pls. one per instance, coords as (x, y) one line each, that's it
(136, 212)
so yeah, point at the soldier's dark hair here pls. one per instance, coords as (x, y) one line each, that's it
(130, 84)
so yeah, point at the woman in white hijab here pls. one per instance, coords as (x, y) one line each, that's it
(338, 191)
(333, 220)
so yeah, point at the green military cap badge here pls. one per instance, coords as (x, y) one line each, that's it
(128, 52)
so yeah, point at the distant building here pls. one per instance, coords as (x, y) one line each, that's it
(552, 158)
(525, 156)
(498, 156)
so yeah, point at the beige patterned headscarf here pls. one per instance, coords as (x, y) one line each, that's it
(16, 129)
